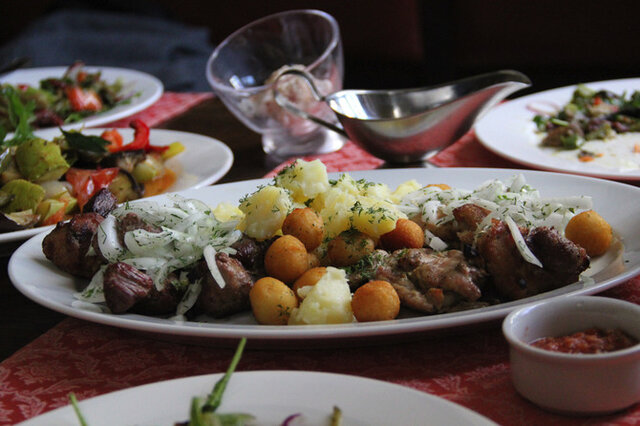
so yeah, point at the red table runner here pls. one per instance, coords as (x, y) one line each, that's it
(471, 369)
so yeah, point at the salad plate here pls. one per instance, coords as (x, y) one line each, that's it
(509, 131)
(145, 88)
(271, 397)
(203, 161)
(41, 281)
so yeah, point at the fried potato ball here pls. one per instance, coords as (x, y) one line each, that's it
(286, 259)
(306, 225)
(309, 278)
(442, 186)
(272, 301)
(314, 260)
(349, 247)
(375, 301)
(590, 231)
(407, 234)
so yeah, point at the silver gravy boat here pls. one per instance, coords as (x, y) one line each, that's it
(409, 125)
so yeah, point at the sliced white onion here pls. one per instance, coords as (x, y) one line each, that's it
(524, 250)
(189, 298)
(94, 291)
(108, 240)
(434, 242)
(210, 257)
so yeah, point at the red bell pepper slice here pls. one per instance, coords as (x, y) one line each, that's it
(140, 139)
(87, 182)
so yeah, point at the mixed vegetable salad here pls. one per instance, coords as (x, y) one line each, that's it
(57, 101)
(45, 181)
(590, 115)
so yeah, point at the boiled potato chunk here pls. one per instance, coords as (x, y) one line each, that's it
(374, 217)
(335, 209)
(225, 212)
(265, 211)
(327, 302)
(309, 278)
(305, 179)
(404, 189)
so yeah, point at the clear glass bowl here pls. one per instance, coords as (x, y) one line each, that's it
(242, 69)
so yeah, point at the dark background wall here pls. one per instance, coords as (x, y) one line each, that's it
(407, 43)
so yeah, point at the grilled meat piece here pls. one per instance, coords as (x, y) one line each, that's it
(129, 289)
(103, 203)
(448, 271)
(131, 222)
(67, 245)
(410, 295)
(514, 277)
(124, 286)
(468, 218)
(234, 297)
(250, 253)
(425, 281)
(462, 229)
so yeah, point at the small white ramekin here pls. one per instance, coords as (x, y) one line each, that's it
(584, 384)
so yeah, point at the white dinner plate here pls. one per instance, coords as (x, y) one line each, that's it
(271, 396)
(41, 281)
(204, 161)
(147, 90)
(508, 130)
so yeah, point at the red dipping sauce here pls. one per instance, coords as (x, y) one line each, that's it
(592, 341)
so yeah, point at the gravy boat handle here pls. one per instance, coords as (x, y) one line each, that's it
(285, 103)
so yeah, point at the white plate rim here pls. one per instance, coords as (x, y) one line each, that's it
(150, 88)
(504, 130)
(315, 389)
(192, 141)
(31, 255)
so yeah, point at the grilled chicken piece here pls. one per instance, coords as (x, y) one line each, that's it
(448, 271)
(129, 289)
(234, 297)
(515, 278)
(462, 229)
(411, 295)
(67, 245)
(425, 281)
(469, 217)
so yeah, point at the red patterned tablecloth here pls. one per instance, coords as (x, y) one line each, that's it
(471, 369)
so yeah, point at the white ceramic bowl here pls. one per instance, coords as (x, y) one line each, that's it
(583, 384)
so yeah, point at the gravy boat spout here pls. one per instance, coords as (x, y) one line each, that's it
(408, 125)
